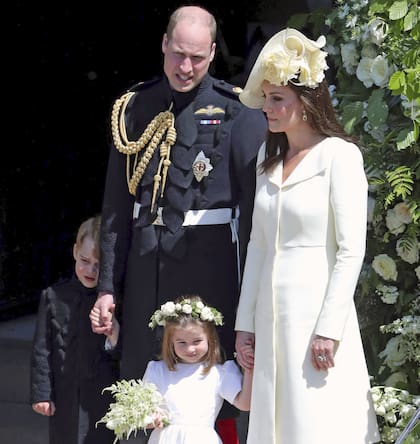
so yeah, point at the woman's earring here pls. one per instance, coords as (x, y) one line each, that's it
(304, 116)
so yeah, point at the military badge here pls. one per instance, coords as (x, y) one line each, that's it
(210, 110)
(201, 166)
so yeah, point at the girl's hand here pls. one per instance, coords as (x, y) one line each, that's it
(158, 423)
(247, 351)
(322, 352)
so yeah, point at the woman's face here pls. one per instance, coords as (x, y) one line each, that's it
(282, 107)
(190, 344)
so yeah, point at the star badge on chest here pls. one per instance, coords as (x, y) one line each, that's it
(201, 166)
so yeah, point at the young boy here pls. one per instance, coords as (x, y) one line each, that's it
(69, 365)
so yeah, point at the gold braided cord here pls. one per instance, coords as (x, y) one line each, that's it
(152, 137)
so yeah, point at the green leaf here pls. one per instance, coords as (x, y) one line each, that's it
(377, 108)
(397, 82)
(405, 138)
(352, 114)
(410, 20)
(398, 10)
(401, 181)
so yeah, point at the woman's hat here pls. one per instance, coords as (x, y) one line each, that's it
(289, 56)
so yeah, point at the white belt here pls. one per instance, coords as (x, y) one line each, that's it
(215, 216)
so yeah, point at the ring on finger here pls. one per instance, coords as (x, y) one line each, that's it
(321, 358)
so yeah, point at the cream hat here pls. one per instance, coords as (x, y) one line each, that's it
(289, 56)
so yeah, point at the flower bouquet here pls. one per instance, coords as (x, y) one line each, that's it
(138, 406)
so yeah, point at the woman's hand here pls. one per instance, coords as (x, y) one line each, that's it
(322, 352)
(245, 343)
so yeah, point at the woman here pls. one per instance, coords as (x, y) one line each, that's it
(306, 249)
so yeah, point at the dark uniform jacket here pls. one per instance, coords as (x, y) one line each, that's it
(145, 265)
(70, 366)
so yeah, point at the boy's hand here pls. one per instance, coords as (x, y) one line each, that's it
(114, 331)
(46, 408)
(106, 306)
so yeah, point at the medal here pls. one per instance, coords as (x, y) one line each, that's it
(201, 166)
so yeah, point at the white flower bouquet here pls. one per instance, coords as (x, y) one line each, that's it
(138, 406)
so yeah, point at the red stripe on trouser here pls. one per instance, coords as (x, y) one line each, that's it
(226, 428)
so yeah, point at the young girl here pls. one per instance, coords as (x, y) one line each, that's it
(191, 374)
(69, 366)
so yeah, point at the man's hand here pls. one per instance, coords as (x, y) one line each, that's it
(105, 304)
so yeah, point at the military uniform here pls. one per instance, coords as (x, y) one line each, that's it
(154, 254)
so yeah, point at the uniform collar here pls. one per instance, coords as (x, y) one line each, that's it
(182, 99)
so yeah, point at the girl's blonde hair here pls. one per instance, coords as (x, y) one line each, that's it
(90, 228)
(214, 353)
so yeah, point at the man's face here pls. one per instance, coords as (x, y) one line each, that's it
(187, 55)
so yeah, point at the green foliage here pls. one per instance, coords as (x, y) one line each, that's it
(374, 50)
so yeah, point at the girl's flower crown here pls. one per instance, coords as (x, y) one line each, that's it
(195, 308)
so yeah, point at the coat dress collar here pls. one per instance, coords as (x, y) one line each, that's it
(312, 164)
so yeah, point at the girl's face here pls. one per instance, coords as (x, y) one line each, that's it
(282, 107)
(190, 343)
(87, 264)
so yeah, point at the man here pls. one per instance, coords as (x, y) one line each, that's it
(179, 194)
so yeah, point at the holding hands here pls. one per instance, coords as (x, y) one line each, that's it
(245, 343)
(102, 321)
(111, 328)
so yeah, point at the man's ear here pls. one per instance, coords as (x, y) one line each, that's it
(212, 51)
(164, 43)
(75, 251)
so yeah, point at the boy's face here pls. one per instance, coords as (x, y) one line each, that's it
(87, 264)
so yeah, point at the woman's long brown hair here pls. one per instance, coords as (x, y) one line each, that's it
(321, 116)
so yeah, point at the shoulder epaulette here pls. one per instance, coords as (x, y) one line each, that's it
(228, 88)
(143, 85)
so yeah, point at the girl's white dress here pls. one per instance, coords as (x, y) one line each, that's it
(193, 400)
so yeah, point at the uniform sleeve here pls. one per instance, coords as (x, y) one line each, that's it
(231, 383)
(348, 200)
(253, 265)
(41, 376)
(117, 214)
(248, 134)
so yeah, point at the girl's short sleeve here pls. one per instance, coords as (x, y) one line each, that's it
(231, 381)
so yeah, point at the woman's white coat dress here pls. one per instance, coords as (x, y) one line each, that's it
(304, 258)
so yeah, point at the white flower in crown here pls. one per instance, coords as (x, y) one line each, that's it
(206, 314)
(168, 309)
(187, 307)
